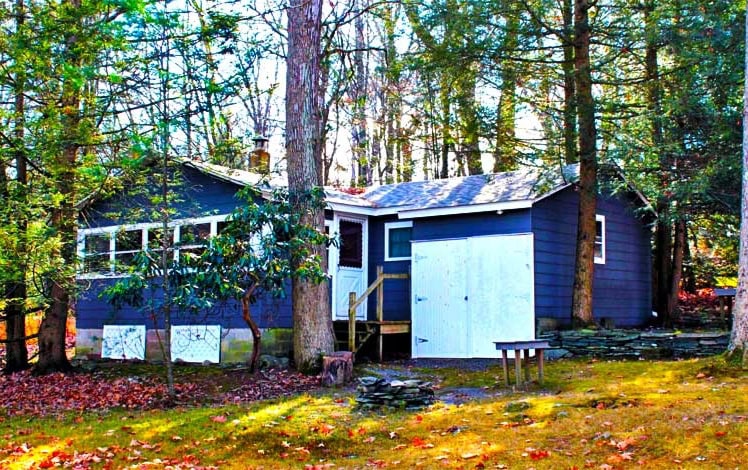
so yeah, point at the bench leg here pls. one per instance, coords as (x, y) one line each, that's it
(540, 354)
(505, 364)
(527, 365)
(518, 366)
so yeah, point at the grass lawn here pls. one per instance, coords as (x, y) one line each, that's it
(589, 414)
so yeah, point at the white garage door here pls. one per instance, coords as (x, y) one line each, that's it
(470, 292)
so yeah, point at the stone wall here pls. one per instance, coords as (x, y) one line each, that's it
(651, 344)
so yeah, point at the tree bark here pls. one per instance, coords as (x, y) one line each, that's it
(505, 153)
(738, 346)
(679, 250)
(16, 354)
(469, 122)
(584, 268)
(64, 217)
(256, 333)
(359, 88)
(663, 251)
(446, 129)
(570, 110)
(312, 333)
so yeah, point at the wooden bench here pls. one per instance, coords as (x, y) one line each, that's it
(520, 347)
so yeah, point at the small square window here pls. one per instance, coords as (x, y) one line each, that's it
(155, 238)
(127, 244)
(96, 254)
(397, 238)
(194, 234)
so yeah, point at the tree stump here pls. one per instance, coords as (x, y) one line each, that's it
(337, 368)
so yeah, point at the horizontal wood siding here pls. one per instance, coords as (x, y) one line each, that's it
(93, 312)
(396, 291)
(197, 195)
(471, 225)
(621, 288)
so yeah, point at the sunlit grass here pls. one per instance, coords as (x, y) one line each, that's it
(588, 414)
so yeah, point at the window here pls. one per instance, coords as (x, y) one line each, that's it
(600, 239)
(110, 251)
(397, 237)
(96, 257)
(192, 239)
(351, 244)
(156, 238)
(126, 244)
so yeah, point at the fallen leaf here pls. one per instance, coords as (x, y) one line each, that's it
(218, 419)
(537, 454)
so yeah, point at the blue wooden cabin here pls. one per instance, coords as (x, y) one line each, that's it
(488, 257)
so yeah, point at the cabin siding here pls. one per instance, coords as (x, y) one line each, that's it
(92, 311)
(471, 225)
(621, 289)
(196, 195)
(396, 291)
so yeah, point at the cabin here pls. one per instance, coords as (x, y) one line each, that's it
(439, 268)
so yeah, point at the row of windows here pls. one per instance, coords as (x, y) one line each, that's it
(112, 250)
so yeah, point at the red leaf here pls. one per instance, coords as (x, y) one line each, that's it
(218, 419)
(420, 443)
(537, 454)
(325, 429)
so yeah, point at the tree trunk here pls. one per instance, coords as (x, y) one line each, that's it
(663, 269)
(505, 153)
(662, 262)
(570, 111)
(584, 267)
(64, 217)
(359, 96)
(16, 354)
(469, 122)
(256, 333)
(738, 346)
(679, 245)
(391, 99)
(446, 129)
(312, 320)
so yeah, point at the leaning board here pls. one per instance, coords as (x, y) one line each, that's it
(196, 343)
(123, 342)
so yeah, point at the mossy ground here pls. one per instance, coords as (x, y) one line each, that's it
(588, 414)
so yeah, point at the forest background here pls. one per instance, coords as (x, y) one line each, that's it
(93, 92)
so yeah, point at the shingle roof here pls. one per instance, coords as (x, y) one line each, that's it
(521, 185)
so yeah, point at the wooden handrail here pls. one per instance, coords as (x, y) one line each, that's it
(354, 302)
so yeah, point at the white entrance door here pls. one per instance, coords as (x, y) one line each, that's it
(439, 303)
(351, 261)
(471, 292)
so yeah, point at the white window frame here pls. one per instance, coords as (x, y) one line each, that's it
(144, 227)
(600, 218)
(394, 225)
